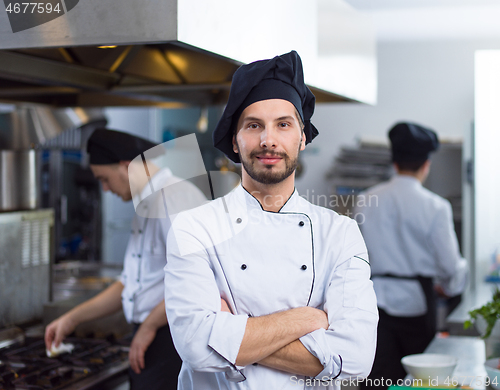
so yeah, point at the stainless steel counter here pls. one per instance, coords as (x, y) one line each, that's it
(470, 352)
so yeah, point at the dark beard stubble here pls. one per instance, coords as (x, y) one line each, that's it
(267, 176)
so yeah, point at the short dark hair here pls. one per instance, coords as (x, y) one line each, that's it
(411, 166)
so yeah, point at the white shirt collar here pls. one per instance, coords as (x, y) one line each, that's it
(253, 203)
(406, 178)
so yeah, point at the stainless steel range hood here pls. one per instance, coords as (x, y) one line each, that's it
(31, 126)
(175, 52)
(132, 75)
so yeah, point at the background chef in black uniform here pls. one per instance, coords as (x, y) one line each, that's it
(412, 246)
(154, 361)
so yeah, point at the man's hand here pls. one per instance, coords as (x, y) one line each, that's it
(105, 303)
(140, 343)
(291, 357)
(57, 330)
(224, 306)
(267, 334)
(440, 292)
(145, 336)
(321, 318)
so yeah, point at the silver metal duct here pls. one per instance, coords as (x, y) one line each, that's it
(171, 53)
(31, 126)
(19, 180)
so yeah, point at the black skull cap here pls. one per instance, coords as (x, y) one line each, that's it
(279, 78)
(106, 146)
(411, 142)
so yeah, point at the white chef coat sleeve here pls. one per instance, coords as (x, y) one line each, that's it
(453, 270)
(122, 277)
(206, 338)
(347, 348)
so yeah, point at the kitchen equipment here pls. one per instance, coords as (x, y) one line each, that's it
(75, 282)
(26, 257)
(28, 126)
(82, 279)
(491, 367)
(19, 180)
(90, 365)
(163, 53)
(10, 336)
(430, 366)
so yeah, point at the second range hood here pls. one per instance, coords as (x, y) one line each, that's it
(177, 52)
(164, 75)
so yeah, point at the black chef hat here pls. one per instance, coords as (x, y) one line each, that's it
(107, 146)
(411, 142)
(279, 78)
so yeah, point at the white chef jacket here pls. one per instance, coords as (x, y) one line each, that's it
(409, 231)
(262, 262)
(145, 255)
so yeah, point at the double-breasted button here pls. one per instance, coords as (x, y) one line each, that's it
(130, 299)
(140, 231)
(238, 220)
(243, 267)
(139, 255)
(304, 267)
(133, 254)
(301, 223)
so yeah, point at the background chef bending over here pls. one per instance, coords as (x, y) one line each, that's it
(139, 292)
(413, 249)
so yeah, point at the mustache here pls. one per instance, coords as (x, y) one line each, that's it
(268, 154)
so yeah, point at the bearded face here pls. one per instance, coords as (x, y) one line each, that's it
(268, 140)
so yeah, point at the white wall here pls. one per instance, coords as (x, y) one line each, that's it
(431, 83)
(487, 142)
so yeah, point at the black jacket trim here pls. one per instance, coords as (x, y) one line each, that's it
(340, 372)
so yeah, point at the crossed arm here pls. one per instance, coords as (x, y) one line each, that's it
(273, 340)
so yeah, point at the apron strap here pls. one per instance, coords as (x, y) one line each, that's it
(427, 285)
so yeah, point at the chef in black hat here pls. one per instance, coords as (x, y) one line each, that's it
(411, 239)
(293, 277)
(116, 159)
(279, 78)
